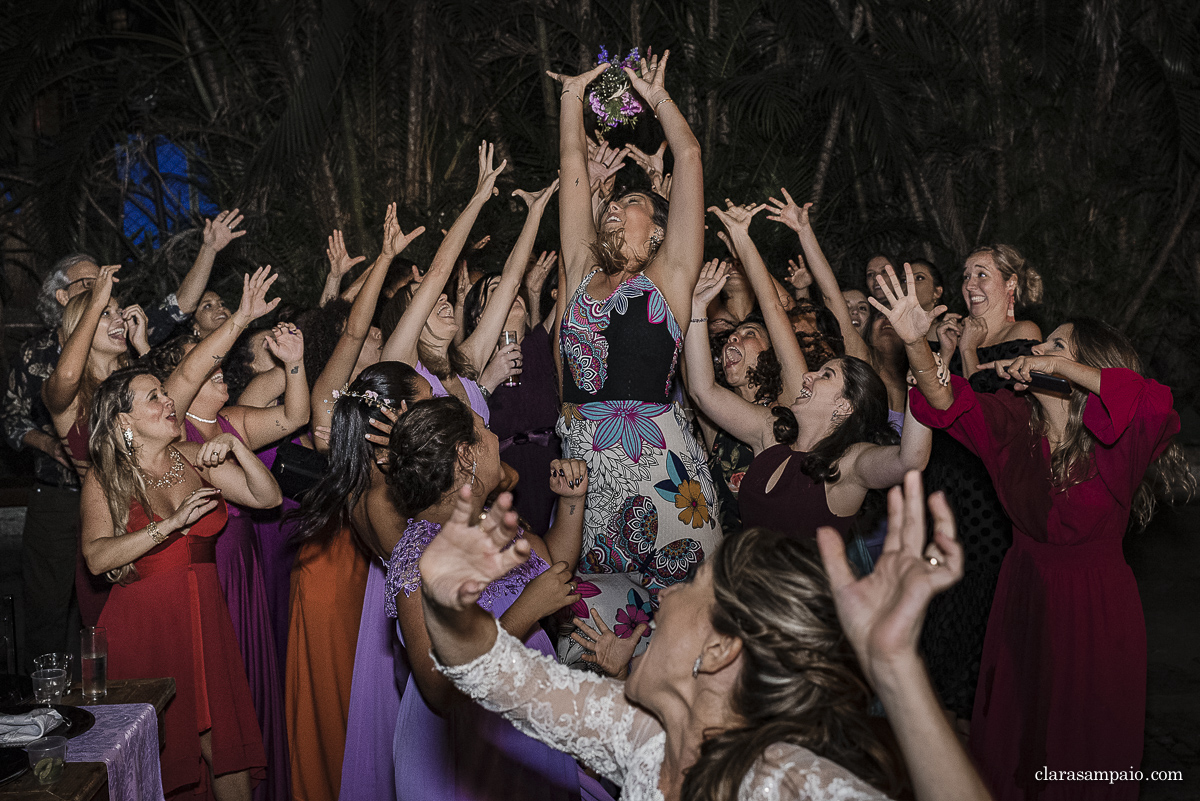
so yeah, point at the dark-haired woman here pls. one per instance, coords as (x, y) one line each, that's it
(626, 291)
(167, 615)
(1063, 677)
(424, 337)
(447, 749)
(331, 573)
(749, 688)
(354, 495)
(841, 446)
(522, 415)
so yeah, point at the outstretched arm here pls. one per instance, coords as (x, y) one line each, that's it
(340, 264)
(62, 387)
(218, 233)
(482, 342)
(681, 255)
(186, 379)
(260, 426)
(745, 421)
(402, 344)
(796, 218)
(340, 366)
(911, 324)
(882, 614)
(736, 220)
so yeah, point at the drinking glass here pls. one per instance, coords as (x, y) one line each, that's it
(46, 758)
(57, 660)
(93, 662)
(48, 685)
(508, 338)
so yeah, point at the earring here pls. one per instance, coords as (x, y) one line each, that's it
(1012, 306)
(656, 239)
(127, 435)
(834, 417)
(696, 667)
(474, 464)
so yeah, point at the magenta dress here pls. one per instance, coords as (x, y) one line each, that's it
(479, 404)
(278, 555)
(239, 568)
(1063, 678)
(472, 754)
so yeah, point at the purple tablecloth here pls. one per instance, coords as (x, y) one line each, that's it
(125, 738)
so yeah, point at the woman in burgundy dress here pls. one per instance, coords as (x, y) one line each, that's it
(167, 615)
(1063, 678)
(814, 466)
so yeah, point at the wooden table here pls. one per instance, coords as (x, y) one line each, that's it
(88, 781)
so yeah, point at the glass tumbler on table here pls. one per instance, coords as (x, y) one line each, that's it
(57, 660)
(509, 338)
(49, 685)
(93, 662)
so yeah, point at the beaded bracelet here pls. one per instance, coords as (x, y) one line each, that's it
(156, 536)
(699, 319)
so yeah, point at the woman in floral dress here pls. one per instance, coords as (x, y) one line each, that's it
(627, 290)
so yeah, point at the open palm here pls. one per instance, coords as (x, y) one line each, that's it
(904, 312)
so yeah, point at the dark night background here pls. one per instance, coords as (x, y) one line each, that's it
(920, 127)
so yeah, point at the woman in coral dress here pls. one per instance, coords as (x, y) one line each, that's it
(167, 615)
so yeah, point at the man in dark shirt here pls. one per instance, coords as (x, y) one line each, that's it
(50, 540)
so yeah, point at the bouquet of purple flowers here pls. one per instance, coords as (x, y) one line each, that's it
(611, 95)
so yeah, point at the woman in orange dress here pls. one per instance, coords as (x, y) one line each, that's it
(166, 615)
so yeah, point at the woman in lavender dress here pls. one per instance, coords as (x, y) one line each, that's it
(445, 747)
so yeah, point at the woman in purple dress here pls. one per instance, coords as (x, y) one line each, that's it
(446, 748)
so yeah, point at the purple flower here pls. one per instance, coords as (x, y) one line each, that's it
(628, 619)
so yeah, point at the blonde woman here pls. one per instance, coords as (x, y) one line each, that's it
(151, 513)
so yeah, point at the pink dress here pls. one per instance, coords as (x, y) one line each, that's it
(1063, 679)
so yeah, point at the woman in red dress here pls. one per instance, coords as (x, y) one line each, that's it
(167, 615)
(1062, 685)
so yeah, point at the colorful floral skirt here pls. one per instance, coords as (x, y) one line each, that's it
(651, 515)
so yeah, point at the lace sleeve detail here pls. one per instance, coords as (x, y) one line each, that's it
(580, 713)
(788, 772)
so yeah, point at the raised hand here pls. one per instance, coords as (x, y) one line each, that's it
(734, 217)
(464, 558)
(648, 80)
(799, 275)
(488, 174)
(136, 328)
(215, 451)
(974, 332)
(604, 648)
(254, 303)
(713, 276)
(286, 343)
(539, 198)
(948, 331)
(382, 435)
(882, 612)
(604, 162)
(568, 478)
(576, 85)
(505, 363)
(339, 260)
(194, 507)
(903, 311)
(103, 285)
(651, 164)
(394, 239)
(540, 269)
(791, 215)
(218, 232)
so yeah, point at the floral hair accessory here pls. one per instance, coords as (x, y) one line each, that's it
(370, 397)
(611, 96)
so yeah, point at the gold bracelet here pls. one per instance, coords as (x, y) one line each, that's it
(156, 536)
(659, 103)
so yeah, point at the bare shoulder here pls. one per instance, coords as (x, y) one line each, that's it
(1025, 329)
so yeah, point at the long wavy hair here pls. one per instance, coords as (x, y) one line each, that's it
(426, 453)
(1099, 345)
(72, 316)
(867, 421)
(112, 464)
(800, 681)
(445, 367)
(326, 508)
(607, 249)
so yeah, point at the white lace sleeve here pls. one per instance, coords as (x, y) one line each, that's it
(788, 772)
(580, 713)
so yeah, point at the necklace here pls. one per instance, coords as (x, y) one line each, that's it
(169, 478)
(199, 419)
